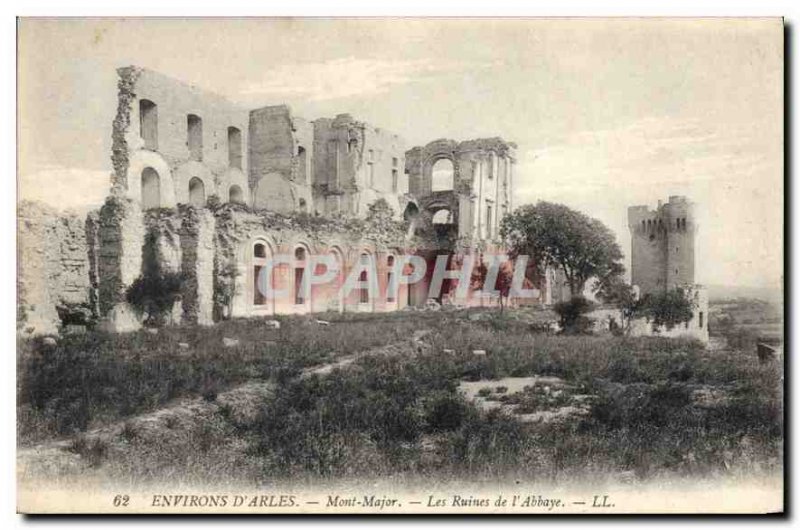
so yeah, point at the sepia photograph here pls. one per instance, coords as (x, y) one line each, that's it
(400, 265)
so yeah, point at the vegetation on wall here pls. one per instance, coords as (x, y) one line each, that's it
(154, 293)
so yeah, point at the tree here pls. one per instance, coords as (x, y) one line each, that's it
(668, 309)
(555, 235)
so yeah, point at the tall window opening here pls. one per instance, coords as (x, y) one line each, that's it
(442, 175)
(489, 220)
(151, 189)
(299, 272)
(197, 192)
(390, 279)
(363, 291)
(234, 147)
(394, 181)
(148, 124)
(259, 269)
(194, 128)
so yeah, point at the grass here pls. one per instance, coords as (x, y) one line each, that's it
(88, 380)
(402, 416)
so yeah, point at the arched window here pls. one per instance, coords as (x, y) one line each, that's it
(411, 212)
(197, 192)
(151, 189)
(302, 204)
(442, 217)
(260, 274)
(194, 136)
(234, 147)
(299, 273)
(442, 175)
(363, 290)
(148, 124)
(235, 194)
(390, 292)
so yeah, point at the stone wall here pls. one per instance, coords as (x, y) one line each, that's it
(169, 155)
(482, 178)
(121, 236)
(356, 164)
(53, 266)
(197, 234)
(239, 229)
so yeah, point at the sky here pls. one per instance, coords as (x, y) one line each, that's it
(607, 113)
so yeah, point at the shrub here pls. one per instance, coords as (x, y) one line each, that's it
(444, 411)
(154, 294)
(571, 313)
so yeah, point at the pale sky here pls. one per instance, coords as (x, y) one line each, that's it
(606, 113)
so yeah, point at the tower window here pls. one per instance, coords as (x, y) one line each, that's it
(394, 180)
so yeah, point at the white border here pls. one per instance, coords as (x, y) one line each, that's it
(687, 8)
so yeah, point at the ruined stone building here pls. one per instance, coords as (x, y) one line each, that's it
(663, 258)
(211, 191)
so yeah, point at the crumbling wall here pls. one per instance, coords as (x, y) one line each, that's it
(280, 154)
(53, 268)
(120, 129)
(355, 165)
(121, 234)
(482, 177)
(197, 235)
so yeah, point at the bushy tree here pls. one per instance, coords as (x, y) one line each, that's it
(558, 236)
(668, 309)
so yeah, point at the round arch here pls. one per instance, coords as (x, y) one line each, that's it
(140, 161)
(443, 175)
(234, 177)
(197, 192)
(186, 174)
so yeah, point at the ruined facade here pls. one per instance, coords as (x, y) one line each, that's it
(663, 259)
(212, 192)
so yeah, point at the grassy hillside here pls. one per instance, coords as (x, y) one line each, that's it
(652, 406)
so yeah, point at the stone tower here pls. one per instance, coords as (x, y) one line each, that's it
(662, 245)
